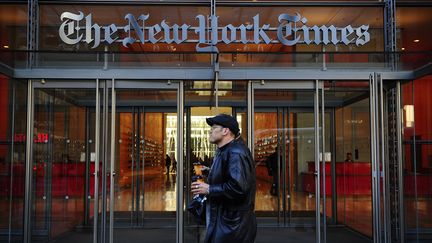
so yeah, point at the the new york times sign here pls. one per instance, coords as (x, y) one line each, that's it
(292, 30)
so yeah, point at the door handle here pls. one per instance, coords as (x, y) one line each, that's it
(108, 174)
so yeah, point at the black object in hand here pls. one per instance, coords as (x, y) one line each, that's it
(197, 207)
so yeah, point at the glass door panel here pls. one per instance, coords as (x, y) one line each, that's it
(287, 136)
(353, 166)
(300, 167)
(61, 191)
(145, 161)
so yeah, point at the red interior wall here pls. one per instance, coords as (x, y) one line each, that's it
(423, 114)
(421, 98)
(4, 109)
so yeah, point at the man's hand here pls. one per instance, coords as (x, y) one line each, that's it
(199, 188)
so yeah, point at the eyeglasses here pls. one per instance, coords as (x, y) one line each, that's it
(214, 127)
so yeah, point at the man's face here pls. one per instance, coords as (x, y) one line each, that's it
(217, 133)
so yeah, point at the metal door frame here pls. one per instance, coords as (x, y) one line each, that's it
(379, 159)
(318, 88)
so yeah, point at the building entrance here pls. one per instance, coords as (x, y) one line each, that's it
(109, 159)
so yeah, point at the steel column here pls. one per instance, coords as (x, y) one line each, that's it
(112, 172)
(323, 164)
(180, 166)
(29, 165)
(317, 168)
(250, 114)
(400, 162)
(96, 172)
(382, 162)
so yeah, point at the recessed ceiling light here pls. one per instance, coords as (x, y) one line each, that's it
(403, 48)
(416, 40)
(6, 46)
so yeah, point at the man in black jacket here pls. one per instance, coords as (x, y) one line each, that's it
(230, 186)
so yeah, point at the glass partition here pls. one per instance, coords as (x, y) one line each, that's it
(13, 31)
(63, 161)
(353, 182)
(145, 165)
(13, 112)
(284, 146)
(413, 24)
(13, 26)
(417, 157)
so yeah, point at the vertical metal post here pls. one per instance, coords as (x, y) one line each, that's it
(180, 156)
(414, 158)
(390, 31)
(400, 162)
(282, 151)
(142, 193)
(28, 166)
(32, 31)
(217, 91)
(87, 167)
(250, 114)
(317, 168)
(324, 163)
(104, 159)
(374, 156)
(96, 172)
(373, 159)
(279, 169)
(112, 168)
(133, 153)
(382, 165)
(289, 140)
(49, 157)
(138, 165)
(188, 130)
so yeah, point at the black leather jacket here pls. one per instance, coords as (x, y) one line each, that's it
(230, 208)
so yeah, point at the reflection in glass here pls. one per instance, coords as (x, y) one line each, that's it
(13, 107)
(284, 148)
(417, 157)
(59, 160)
(353, 164)
(146, 150)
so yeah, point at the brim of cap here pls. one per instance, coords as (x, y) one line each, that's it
(210, 121)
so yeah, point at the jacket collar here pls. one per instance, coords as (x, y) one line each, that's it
(227, 145)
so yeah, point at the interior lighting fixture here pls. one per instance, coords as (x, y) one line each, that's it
(403, 48)
(409, 115)
(6, 46)
(416, 41)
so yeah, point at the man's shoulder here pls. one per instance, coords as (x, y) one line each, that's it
(237, 147)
